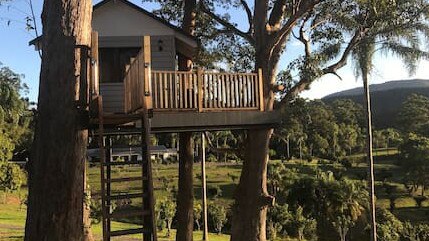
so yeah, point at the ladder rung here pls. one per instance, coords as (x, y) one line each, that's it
(123, 163)
(126, 179)
(129, 213)
(129, 231)
(126, 196)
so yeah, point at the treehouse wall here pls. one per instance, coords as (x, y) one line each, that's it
(115, 55)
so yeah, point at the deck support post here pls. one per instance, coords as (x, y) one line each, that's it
(204, 186)
(185, 196)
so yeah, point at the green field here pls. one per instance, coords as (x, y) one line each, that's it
(226, 177)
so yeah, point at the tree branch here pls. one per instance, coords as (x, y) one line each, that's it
(249, 15)
(278, 38)
(237, 151)
(226, 24)
(331, 69)
(277, 13)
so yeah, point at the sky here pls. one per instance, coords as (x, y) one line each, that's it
(16, 54)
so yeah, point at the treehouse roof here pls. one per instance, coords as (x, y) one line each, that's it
(119, 19)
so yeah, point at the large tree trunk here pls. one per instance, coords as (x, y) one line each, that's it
(55, 201)
(185, 197)
(252, 199)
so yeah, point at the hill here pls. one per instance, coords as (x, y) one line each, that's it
(386, 98)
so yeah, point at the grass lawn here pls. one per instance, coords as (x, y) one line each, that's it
(224, 176)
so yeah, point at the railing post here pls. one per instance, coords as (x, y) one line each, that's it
(94, 85)
(200, 77)
(147, 72)
(261, 90)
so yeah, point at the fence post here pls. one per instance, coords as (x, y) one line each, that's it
(200, 89)
(261, 90)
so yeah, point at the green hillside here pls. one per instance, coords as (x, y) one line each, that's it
(386, 99)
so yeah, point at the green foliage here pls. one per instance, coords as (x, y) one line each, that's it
(198, 211)
(316, 129)
(414, 158)
(414, 115)
(14, 114)
(167, 210)
(217, 216)
(413, 232)
(324, 197)
(11, 177)
(389, 228)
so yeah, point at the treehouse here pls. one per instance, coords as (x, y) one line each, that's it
(132, 66)
(132, 86)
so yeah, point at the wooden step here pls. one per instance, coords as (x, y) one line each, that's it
(129, 213)
(129, 231)
(126, 196)
(126, 179)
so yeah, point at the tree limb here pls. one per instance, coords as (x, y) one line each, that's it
(249, 15)
(277, 13)
(237, 151)
(331, 69)
(278, 38)
(226, 24)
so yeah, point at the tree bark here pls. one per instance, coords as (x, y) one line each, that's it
(252, 199)
(56, 180)
(185, 197)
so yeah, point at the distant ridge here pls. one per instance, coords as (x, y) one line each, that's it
(386, 98)
(390, 85)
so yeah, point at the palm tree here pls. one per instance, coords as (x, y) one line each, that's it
(398, 36)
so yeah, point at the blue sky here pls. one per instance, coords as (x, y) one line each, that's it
(21, 58)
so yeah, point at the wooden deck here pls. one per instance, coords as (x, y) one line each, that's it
(190, 100)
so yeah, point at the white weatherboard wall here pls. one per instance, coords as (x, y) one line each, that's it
(120, 25)
(118, 19)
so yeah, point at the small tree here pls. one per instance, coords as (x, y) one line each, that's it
(217, 215)
(167, 212)
(302, 225)
(198, 209)
(11, 177)
(414, 158)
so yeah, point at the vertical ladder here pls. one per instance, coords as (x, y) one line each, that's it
(145, 194)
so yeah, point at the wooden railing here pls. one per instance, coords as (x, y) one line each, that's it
(137, 80)
(189, 91)
(205, 91)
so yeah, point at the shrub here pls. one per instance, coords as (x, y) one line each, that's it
(389, 228)
(217, 217)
